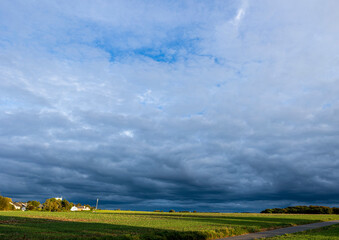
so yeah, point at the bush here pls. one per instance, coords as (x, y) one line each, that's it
(171, 210)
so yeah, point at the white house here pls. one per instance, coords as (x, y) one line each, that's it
(58, 198)
(84, 208)
(19, 205)
(16, 205)
(80, 208)
(74, 208)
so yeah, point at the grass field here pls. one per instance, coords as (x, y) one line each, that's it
(141, 225)
(325, 233)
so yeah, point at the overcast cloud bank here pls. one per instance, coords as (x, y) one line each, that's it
(199, 105)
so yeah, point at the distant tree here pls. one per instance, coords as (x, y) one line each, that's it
(52, 205)
(66, 205)
(33, 205)
(171, 210)
(279, 210)
(78, 205)
(268, 210)
(321, 209)
(5, 203)
(302, 210)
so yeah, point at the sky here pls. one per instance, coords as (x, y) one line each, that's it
(224, 106)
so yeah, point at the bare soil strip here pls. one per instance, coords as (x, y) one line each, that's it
(281, 231)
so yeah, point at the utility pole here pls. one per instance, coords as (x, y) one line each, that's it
(96, 207)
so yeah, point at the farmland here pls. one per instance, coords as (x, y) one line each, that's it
(141, 225)
(326, 233)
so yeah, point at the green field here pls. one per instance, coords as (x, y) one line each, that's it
(141, 225)
(325, 233)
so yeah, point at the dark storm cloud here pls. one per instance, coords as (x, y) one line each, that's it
(241, 117)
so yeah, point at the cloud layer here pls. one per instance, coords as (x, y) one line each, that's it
(219, 105)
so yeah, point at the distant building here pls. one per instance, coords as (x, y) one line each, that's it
(58, 198)
(19, 205)
(16, 205)
(80, 208)
(74, 208)
(84, 208)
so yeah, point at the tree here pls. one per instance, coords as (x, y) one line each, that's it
(303, 210)
(52, 205)
(33, 205)
(268, 210)
(65, 205)
(5, 203)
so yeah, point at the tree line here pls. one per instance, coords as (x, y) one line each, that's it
(51, 205)
(304, 210)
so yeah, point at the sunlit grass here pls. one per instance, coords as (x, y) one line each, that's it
(325, 233)
(142, 225)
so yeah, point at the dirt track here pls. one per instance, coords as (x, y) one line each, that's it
(281, 231)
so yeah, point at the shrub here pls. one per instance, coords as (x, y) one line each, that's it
(171, 210)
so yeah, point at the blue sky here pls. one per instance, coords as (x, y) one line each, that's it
(198, 105)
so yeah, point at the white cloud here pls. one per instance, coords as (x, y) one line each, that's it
(147, 97)
(237, 19)
(235, 101)
(127, 133)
